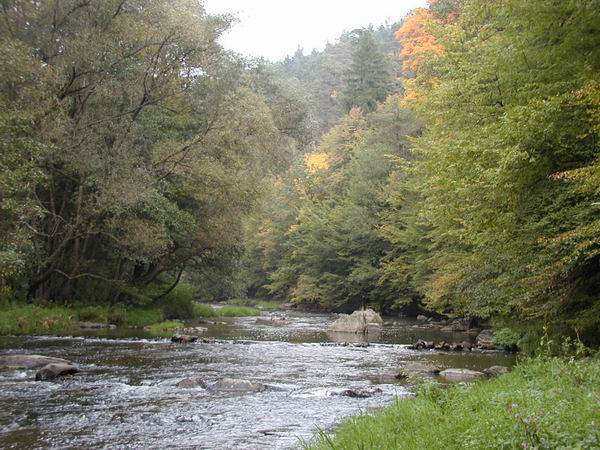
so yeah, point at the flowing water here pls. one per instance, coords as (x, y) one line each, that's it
(126, 395)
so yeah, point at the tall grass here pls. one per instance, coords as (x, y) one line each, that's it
(33, 319)
(203, 310)
(542, 404)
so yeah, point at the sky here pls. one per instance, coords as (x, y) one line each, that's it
(274, 29)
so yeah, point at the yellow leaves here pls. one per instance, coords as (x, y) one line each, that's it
(316, 162)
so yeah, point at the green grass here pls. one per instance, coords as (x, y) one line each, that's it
(33, 319)
(237, 311)
(203, 310)
(60, 320)
(542, 404)
(164, 328)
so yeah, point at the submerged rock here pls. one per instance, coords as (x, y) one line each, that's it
(192, 382)
(461, 374)
(359, 322)
(28, 361)
(195, 330)
(496, 371)
(236, 385)
(55, 370)
(96, 326)
(272, 321)
(183, 339)
(358, 392)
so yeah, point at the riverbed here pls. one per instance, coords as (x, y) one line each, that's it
(126, 395)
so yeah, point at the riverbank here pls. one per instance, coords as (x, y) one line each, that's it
(543, 403)
(35, 320)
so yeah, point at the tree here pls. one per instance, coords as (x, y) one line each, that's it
(369, 79)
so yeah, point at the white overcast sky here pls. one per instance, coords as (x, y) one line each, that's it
(276, 28)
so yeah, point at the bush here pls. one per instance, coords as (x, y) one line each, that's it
(117, 316)
(179, 303)
(93, 314)
(507, 338)
(202, 310)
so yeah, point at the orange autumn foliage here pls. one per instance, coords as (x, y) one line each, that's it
(417, 43)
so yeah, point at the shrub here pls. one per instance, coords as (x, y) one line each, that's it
(507, 338)
(93, 314)
(202, 310)
(179, 303)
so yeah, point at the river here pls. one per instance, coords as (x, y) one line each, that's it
(126, 395)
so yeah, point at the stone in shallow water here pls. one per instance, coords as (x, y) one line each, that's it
(461, 374)
(359, 322)
(417, 368)
(28, 361)
(192, 382)
(53, 371)
(359, 392)
(237, 386)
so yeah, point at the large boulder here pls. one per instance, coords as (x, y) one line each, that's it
(422, 318)
(28, 361)
(236, 386)
(192, 382)
(52, 371)
(461, 374)
(417, 368)
(485, 340)
(359, 322)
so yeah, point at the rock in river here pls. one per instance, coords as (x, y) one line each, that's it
(183, 339)
(96, 326)
(55, 370)
(192, 382)
(237, 386)
(28, 361)
(358, 392)
(461, 374)
(417, 368)
(358, 322)
(485, 340)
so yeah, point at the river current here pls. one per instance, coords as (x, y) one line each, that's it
(126, 395)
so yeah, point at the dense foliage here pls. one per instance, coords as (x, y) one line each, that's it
(131, 148)
(449, 161)
(492, 211)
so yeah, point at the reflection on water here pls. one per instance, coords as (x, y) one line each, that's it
(126, 396)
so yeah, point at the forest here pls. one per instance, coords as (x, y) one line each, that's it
(446, 163)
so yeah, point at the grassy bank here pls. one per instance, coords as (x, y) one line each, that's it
(19, 319)
(207, 311)
(542, 404)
